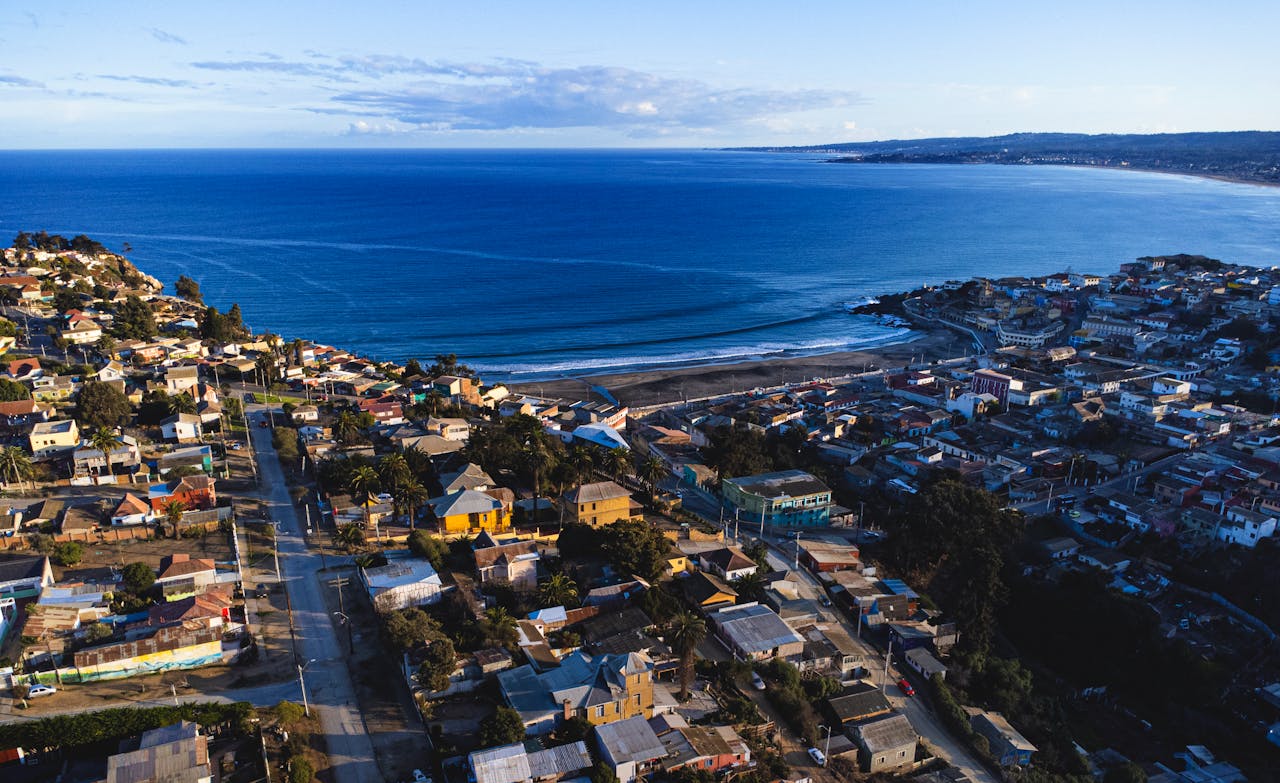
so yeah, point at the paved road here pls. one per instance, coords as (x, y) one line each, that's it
(329, 688)
(1120, 482)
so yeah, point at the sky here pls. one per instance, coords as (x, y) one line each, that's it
(106, 74)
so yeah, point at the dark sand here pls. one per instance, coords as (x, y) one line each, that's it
(653, 387)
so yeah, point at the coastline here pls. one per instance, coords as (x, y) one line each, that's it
(1166, 172)
(655, 387)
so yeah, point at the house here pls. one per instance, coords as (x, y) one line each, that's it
(193, 492)
(469, 512)
(182, 427)
(1104, 559)
(925, 663)
(24, 576)
(630, 747)
(175, 754)
(1063, 548)
(20, 414)
(707, 591)
(601, 689)
(710, 749)
(54, 388)
(825, 557)
(513, 562)
(180, 567)
(24, 369)
(857, 703)
(788, 498)
(598, 503)
(132, 510)
(81, 517)
(755, 633)
(198, 457)
(50, 439)
(402, 584)
(728, 563)
(1008, 747)
(89, 459)
(449, 429)
(82, 332)
(305, 413)
(470, 477)
(182, 378)
(516, 764)
(887, 742)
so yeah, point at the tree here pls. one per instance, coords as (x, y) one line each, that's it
(439, 660)
(15, 465)
(300, 770)
(137, 578)
(181, 403)
(634, 547)
(447, 364)
(1127, 772)
(409, 628)
(105, 440)
(363, 486)
(188, 289)
(347, 428)
(102, 405)
(412, 367)
(409, 497)
(684, 633)
(349, 536)
(558, 590)
(173, 511)
(11, 391)
(583, 462)
(537, 460)
(499, 626)
(134, 320)
(428, 547)
(750, 587)
(68, 553)
(504, 727)
(617, 462)
(393, 470)
(601, 772)
(651, 471)
(289, 712)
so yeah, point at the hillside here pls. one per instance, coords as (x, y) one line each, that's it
(1246, 156)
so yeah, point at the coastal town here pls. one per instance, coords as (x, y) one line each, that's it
(1042, 549)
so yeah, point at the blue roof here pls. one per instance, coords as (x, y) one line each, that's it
(899, 587)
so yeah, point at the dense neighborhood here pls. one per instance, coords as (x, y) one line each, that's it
(1046, 557)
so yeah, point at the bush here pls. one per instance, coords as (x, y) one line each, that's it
(288, 712)
(68, 553)
(300, 770)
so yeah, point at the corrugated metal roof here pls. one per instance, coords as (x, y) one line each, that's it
(503, 764)
(560, 760)
(632, 739)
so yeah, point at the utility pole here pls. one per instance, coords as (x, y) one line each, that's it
(884, 681)
(827, 748)
(306, 708)
(795, 565)
(339, 583)
(275, 554)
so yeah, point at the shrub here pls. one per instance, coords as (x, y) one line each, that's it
(300, 770)
(68, 553)
(289, 712)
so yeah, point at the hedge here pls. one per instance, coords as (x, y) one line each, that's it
(87, 728)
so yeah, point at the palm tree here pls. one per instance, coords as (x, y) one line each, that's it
(409, 497)
(346, 428)
(15, 464)
(559, 590)
(750, 587)
(363, 486)
(537, 460)
(104, 440)
(500, 626)
(349, 537)
(684, 633)
(583, 462)
(651, 471)
(181, 403)
(394, 470)
(434, 398)
(617, 462)
(173, 514)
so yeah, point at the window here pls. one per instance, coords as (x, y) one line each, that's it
(600, 712)
(637, 698)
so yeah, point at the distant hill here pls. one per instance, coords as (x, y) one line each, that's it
(1247, 156)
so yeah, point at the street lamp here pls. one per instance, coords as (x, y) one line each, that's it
(302, 667)
(826, 750)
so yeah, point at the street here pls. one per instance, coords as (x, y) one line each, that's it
(329, 689)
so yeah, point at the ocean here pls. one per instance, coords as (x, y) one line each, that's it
(540, 264)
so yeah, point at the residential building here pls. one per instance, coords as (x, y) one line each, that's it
(630, 747)
(182, 427)
(24, 576)
(516, 764)
(20, 414)
(599, 503)
(53, 438)
(887, 743)
(601, 689)
(756, 633)
(180, 567)
(132, 510)
(402, 584)
(857, 703)
(193, 492)
(449, 429)
(1008, 747)
(173, 754)
(706, 590)
(88, 459)
(789, 498)
(728, 563)
(514, 562)
(467, 512)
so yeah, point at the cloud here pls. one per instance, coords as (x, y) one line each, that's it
(151, 80)
(362, 128)
(282, 67)
(18, 81)
(164, 37)
(850, 125)
(516, 94)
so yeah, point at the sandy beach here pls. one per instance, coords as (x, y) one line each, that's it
(653, 387)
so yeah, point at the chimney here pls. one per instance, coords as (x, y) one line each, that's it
(179, 557)
(568, 709)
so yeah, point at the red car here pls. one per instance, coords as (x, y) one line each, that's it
(905, 687)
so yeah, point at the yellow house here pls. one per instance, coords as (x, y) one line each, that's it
(601, 503)
(468, 511)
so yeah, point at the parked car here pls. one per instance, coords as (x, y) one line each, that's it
(756, 681)
(817, 757)
(41, 690)
(905, 687)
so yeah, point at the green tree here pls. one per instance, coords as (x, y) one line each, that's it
(617, 463)
(11, 391)
(412, 367)
(634, 547)
(15, 465)
(349, 536)
(601, 772)
(102, 405)
(651, 471)
(289, 712)
(134, 320)
(408, 498)
(181, 403)
(500, 626)
(347, 428)
(300, 770)
(504, 727)
(427, 546)
(439, 659)
(106, 441)
(558, 590)
(137, 578)
(685, 632)
(409, 628)
(68, 553)
(363, 486)
(188, 289)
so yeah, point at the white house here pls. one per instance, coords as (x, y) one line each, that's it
(402, 584)
(1246, 527)
(50, 438)
(181, 427)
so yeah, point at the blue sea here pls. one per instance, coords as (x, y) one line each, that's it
(536, 264)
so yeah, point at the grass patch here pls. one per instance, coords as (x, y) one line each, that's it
(280, 399)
